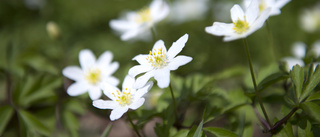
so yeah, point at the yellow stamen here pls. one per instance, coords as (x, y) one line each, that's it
(93, 76)
(144, 16)
(241, 26)
(157, 58)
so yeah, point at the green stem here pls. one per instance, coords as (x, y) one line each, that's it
(154, 34)
(173, 100)
(133, 125)
(254, 82)
(271, 42)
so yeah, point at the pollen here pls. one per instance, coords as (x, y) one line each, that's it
(124, 97)
(93, 76)
(262, 5)
(157, 58)
(241, 26)
(144, 15)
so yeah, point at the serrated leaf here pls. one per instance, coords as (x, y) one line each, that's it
(5, 115)
(312, 82)
(33, 124)
(312, 109)
(192, 131)
(297, 76)
(304, 129)
(271, 79)
(182, 133)
(197, 133)
(220, 132)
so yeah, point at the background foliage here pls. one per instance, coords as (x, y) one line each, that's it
(214, 92)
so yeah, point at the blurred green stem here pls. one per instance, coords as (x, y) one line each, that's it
(271, 42)
(154, 34)
(133, 125)
(174, 101)
(254, 82)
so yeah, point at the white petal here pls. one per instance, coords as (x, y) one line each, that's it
(102, 104)
(316, 48)
(281, 3)
(264, 15)
(138, 103)
(122, 25)
(108, 89)
(105, 59)
(233, 37)
(131, 34)
(77, 88)
(140, 92)
(163, 77)
(142, 80)
(112, 81)
(177, 46)
(236, 13)
(87, 59)
(73, 72)
(159, 10)
(128, 82)
(141, 59)
(110, 69)
(94, 92)
(299, 49)
(159, 44)
(220, 29)
(178, 61)
(138, 69)
(252, 11)
(118, 112)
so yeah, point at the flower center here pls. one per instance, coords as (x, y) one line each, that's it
(262, 5)
(124, 97)
(93, 76)
(157, 58)
(143, 16)
(241, 26)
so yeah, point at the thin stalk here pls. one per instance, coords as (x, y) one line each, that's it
(154, 34)
(271, 42)
(254, 82)
(133, 125)
(173, 100)
(283, 120)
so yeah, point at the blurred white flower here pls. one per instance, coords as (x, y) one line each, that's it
(159, 63)
(34, 4)
(316, 49)
(138, 24)
(91, 74)
(310, 19)
(299, 51)
(274, 5)
(121, 101)
(188, 10)
(243, 24)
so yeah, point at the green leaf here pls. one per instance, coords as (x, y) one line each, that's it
(33, 124)
(312, 109)
(197, 133)
(311, 83)
(192, 131)
(182, 133)
(220, 132)
(5, 115)
(271, 79)
(286, 131)
(106, 130)
(70, 122)
(297, 76)
(304, 129)
(314, 97)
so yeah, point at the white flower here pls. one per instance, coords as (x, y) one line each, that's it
(121, 101)
(159, 63)
(274, 5)
(243, 24)
(299, 52)
(310, 19)
(187, 10)
(91, 74)
(138, 24)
